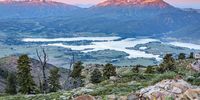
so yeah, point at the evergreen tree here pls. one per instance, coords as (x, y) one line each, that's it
(136, 68)
(181, 56)
(149, 69)
(109, 70)
(191, 55)
(11, 84)
(54, 84)
(3, 73)
(76, 74)
(168, 64)
(96, 76)
(24, 78)
(77, 69)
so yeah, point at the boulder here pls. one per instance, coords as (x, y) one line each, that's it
(191, 94)
(89, 85)
(81, 91)
(116, 97)
(176, 89)
(98, 98)
(133, 96)
(113, 79)
(85, 97)
(112, 97)
(195, 66)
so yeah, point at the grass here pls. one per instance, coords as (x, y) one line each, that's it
(160, 77)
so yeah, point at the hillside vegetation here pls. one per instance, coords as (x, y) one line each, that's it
(125, 81)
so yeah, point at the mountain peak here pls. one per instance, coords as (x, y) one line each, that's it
(35, 2)
(137, 3)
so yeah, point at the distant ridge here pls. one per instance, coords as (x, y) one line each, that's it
(35, 2)
(127, 18)
(136, 3)
(192, 10)
(34, 9)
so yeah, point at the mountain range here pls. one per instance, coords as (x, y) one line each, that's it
(127, 18)
(134, 3)
(34, 9)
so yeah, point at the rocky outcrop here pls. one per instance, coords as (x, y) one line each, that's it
(195, 66)
(174, 89)
(85, 97)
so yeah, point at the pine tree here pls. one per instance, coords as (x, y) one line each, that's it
(149, 69)
(24, 78)
(77, 69)
(168, 64)
(11, 84)
(54, 84)
(191, 55)
(181, 56)
(136, 69)
(96, 76)
(109, 70)
(76, 74)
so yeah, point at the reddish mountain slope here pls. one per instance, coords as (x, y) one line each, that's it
(137, 3)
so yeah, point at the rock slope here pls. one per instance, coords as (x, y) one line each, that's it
(195, 66)
(174, 89)
(138, 3)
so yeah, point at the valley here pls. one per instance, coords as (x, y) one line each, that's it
(113, 50)
(99, 50)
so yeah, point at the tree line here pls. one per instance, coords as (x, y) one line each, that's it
(23, 81)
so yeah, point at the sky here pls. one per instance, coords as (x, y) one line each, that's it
(177, 3)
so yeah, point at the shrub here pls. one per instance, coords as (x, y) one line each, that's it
(191, 55)
(96, 76)
(54, 83)
(194, 79)
(136, 68)
(150, 69)
(77, 69)
(168, 64)
(109, 70)
(181, 56)
(11, 87)
(4, 73)
(166, 75)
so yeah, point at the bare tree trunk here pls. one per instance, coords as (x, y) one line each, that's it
(40, 83)
(71, 63)
(43, 64)
(70, 68)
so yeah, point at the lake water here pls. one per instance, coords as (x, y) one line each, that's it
(69, 39)
(185, 45)
(111, 43)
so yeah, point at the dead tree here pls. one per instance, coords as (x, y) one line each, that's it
(71, 63)
(40, 83)
(43, 61)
